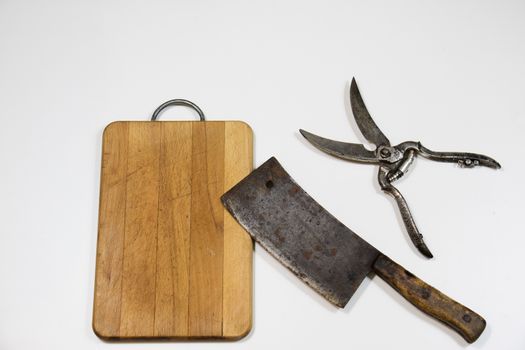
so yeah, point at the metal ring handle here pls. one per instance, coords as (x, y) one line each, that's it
(177, 102)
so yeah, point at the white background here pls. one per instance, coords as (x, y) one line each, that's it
(450, 74)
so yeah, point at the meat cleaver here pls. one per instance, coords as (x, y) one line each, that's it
(326, 254)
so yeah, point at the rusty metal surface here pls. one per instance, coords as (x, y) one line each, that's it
(341, 150)
(364, 121)
(301, 234)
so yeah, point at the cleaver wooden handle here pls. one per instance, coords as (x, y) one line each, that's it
(431, 301)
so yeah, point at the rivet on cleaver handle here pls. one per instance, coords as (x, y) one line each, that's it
(326, 254)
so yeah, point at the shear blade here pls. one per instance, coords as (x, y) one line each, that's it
(344, 150)
(364, 121)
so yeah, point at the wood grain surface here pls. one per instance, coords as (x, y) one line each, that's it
(171, 261)
(431, 301)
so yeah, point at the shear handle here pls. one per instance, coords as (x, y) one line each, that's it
(467, 160)
(408, 220)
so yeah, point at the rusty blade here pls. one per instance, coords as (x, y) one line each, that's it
(364, 121)
(344, 150)
(301, 234)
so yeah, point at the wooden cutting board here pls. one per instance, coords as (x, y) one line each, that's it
(171, 261)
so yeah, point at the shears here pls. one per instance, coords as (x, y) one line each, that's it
(393, 161)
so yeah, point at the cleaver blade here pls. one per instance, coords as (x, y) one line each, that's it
(324, 253)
